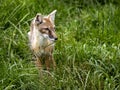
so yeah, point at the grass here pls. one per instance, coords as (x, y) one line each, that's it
(87, 52)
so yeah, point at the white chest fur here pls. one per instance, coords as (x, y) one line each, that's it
(38, 41)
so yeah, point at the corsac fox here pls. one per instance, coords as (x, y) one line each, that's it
(41, 38)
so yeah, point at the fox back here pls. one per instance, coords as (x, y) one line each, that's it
(42, 35)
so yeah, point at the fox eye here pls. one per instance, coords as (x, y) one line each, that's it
(47, 29)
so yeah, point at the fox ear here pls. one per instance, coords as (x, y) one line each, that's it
(51, 16)
(39, 18)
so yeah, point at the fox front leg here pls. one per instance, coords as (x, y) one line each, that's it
(53, 62)
(48, 62)
(38, 63)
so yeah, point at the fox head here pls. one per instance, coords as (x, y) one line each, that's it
(45, 25)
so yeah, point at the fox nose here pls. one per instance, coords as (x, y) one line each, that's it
(56, 39)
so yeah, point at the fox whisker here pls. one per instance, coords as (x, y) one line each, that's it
(49, 45)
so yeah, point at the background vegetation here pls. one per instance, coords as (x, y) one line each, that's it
(87, 52)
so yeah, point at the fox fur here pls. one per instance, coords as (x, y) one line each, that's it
(42, 37)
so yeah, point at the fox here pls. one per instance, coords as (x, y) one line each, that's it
(42, 37)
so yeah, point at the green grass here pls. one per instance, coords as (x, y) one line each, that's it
(87, 52)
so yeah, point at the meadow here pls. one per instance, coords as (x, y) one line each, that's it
(87, 52)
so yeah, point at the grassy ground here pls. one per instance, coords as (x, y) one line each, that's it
(87, 52)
